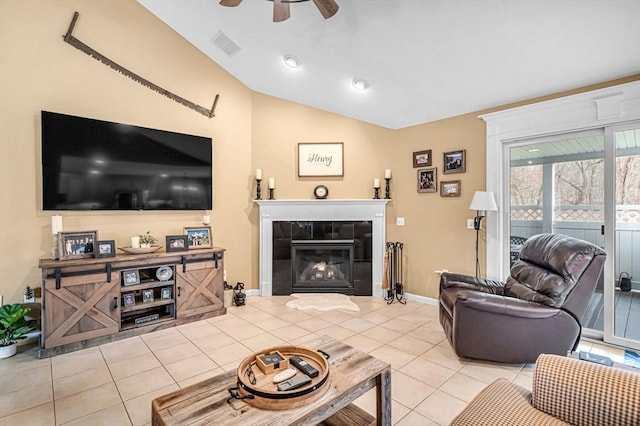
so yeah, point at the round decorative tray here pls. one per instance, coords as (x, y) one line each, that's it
(258, 389)
(140, 250)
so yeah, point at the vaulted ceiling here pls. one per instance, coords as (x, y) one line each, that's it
(424, 60)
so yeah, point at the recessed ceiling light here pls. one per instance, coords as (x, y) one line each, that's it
(291, 61)
(360, 83)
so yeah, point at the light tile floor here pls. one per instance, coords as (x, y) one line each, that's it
(114, 384)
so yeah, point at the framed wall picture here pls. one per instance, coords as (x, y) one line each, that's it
(74, 245)
(320, 159)
(198, 237)
(130, 277)
(105, 248)
(428, 180)
(147, 296)
(422, 158)
(455, 162)
(177, 243)
(450, 188)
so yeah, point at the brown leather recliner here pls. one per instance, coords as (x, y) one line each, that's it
(538, 309)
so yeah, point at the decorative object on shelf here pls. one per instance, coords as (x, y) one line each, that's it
(146, 319)
(258, 185)
(29, 296)
(147, 296)
(130, 277)
(69, 38)
(320, 159)
(206, 220)
(177, 243)
(239, 297)
(387, 189)
(428, 180)
(75, 245)
(164, 273)
(320, 192)
(422, 158)
(450, 188)
(129, 299)
(106, 248)
(146, 240)
(282, 12)
(455, 162)
(482, 202)
(140, 250)
(13, 327)
(135, 241)
(56, 228)
(272, 187)
(165, 293)
(198, 237)
(376, 189)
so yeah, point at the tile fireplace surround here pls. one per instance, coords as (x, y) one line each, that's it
(321, 210)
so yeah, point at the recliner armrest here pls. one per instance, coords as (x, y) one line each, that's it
(503, 305)
(448, 280)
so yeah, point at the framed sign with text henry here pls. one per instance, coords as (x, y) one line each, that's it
(320, 159)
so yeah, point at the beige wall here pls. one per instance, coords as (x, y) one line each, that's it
(39, 71)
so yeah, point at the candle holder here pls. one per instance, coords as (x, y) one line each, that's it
(376, 193)
(271, 194)
(258, 195)
(55, 253)
(387, 190)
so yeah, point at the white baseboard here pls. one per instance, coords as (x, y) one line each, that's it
(421, 299)
(253, 292)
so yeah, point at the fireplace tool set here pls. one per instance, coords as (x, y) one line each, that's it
(392, 280)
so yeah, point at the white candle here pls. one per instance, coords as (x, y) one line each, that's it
(387, 174)
(376, 183)
(56, 224)
(135, 242)
(272, 183)
(258, 174)
(206, 219)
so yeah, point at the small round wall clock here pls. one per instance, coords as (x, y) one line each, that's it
(320, 192)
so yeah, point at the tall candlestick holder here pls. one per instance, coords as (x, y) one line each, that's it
(387, 190)
(271, 194)
(376, 193)
(258, 195)
(55, 251)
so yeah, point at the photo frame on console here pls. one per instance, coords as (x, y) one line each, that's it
(106, 248)
(177, 243)
(76, 245)
(198, 237)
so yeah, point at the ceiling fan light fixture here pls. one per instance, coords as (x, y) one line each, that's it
(291, 61)
(360, 83)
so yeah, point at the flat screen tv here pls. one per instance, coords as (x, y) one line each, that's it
(90, 164)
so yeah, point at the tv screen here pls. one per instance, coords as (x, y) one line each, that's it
(90, 164)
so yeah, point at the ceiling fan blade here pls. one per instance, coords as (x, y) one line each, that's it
(230, 3)
(328, 8)
(281, 11)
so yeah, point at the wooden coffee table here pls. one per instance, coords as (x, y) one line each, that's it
(351, 374)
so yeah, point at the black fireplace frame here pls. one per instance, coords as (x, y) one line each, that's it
(322, 286)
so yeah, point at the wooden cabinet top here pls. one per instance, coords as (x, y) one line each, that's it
(121, 258)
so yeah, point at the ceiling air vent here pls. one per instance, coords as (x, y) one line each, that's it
(225, 44)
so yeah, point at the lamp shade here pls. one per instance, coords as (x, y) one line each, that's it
(483, 200)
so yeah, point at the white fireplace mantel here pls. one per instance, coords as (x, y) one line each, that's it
(308, 210)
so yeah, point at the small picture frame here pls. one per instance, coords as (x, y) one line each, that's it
(450, 188)
(455, 162)
(428, 180)
(76, 245)
(177, 243)
(129, 299)
(165, 293)
(422, 158)
(147, 296)
(198, 237)
(106, 248)
(130, 277)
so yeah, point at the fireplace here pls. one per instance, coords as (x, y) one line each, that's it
(322, 266)
(284, 221)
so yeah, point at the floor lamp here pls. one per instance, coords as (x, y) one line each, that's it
(482, 202)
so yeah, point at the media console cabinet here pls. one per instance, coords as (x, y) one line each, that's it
(91, 301)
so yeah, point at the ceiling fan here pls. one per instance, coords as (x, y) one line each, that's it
(281, 12)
